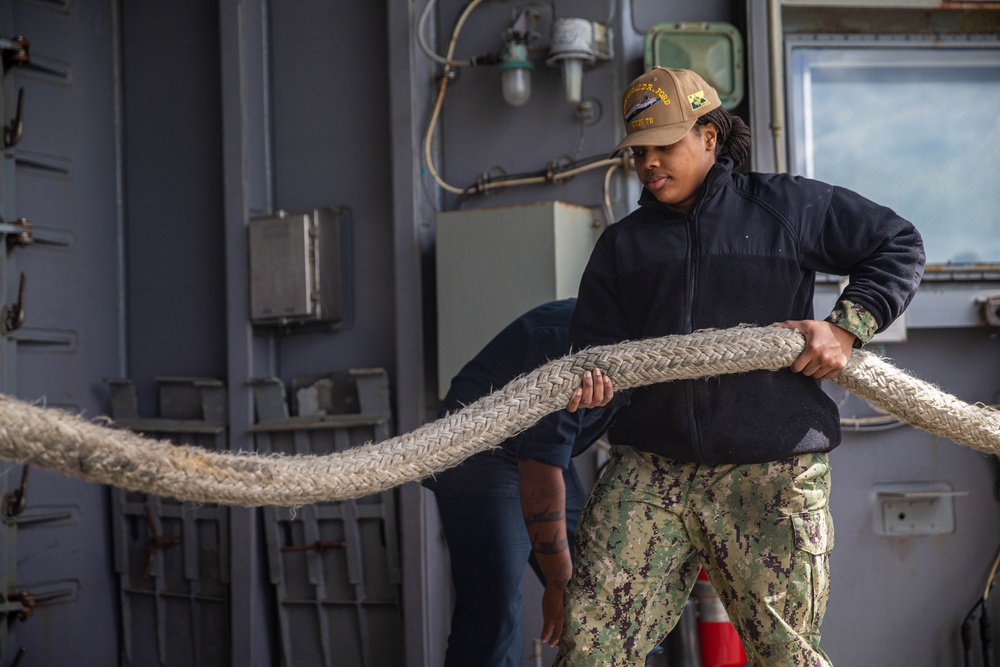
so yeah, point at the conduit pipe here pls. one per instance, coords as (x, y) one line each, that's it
(776, 42)
(445, 77)
(422, 40)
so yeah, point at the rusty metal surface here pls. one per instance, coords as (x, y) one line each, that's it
(955, 18)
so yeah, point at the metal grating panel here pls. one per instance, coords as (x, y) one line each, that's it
(173, 558)
(335, 566)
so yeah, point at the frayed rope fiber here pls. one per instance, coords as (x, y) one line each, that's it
(67, 444)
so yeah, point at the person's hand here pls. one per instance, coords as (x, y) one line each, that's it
(828, 347)
(595, 392)
(552, 613)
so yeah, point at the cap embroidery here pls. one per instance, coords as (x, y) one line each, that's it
(640, 106)
(697, 100)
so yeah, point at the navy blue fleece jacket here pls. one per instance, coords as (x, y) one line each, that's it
(747, 254)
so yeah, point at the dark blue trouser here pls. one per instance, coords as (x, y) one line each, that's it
(481, 513)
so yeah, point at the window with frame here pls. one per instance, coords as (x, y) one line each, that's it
(915, 128)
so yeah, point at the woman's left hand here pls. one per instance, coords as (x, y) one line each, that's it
(828, 347)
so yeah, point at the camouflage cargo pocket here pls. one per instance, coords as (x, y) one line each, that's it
(813, 531)
(813, 535)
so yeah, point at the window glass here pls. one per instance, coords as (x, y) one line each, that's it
(915, 129)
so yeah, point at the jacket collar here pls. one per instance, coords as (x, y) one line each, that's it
(716, 179)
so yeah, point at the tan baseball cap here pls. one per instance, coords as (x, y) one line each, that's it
(662, 105)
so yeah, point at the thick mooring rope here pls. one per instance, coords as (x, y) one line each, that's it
(60, 442)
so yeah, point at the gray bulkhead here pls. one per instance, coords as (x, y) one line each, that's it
(154, 131)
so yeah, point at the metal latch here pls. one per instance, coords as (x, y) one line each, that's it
(991, 309)
(156, 542)
(23, 603)
(18, 232)
(13, 132)
(27, 602)
(319, 546)
(15, 501)
(12, 317)
(16, 51)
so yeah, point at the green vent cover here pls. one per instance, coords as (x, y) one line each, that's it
(713, 49)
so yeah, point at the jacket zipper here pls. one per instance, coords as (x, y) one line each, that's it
(692, 271)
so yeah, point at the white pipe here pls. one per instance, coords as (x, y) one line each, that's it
(428, 157)
(776, 43)
(552, 178)
(422, 40)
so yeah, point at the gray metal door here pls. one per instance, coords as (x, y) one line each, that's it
(61, 223)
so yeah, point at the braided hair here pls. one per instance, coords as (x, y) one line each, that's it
(734, 135)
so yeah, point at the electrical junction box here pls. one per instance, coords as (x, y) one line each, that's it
(495, 264)
(300, 268)
(904, 509)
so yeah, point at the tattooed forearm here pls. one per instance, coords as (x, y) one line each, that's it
(537, 496)
(562, 577)
(545, 516)
(558, 544)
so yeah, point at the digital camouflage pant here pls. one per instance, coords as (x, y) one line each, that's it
(762, 531)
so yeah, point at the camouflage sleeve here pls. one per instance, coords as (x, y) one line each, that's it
(854, 318)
